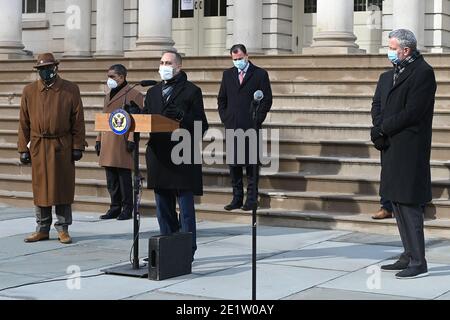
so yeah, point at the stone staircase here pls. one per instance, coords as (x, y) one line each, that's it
(329, 171)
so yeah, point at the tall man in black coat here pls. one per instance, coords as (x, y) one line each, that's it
(235, 109)
(179, 99)
(404, 112)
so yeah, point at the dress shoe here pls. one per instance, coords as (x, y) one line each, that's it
(125, 216)
(235, 204)
(64, 237)
(382, 214)
(109, 215)
(412, 273)
(396, 266)
(37, 236)
(248, 206)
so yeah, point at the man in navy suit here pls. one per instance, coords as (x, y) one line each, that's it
(235, 109)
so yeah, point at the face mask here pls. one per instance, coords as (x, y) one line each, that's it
(112, 84)
(393, 56)
(240, 64)
(47, 74)
(166, 72)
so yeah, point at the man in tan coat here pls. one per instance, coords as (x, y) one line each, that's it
(116, 152)
(51, 138)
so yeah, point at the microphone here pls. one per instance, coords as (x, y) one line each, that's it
(148, 83)
(258, 96)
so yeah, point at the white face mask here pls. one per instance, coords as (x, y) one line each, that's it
(112, 84)
(166, 72)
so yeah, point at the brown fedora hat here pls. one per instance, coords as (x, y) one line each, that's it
(46, 59)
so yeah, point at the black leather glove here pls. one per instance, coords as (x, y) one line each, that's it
(131, 146)
(98, 147)
(25, 158)
(173, 112)
(381, 143)
(132, 108)
(376, 133)
(77, 155)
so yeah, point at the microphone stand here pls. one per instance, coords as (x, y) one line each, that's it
(255, 107)
(133, 269)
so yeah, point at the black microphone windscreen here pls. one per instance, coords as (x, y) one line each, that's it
(148, 83)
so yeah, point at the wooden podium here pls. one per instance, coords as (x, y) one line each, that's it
(140, 123)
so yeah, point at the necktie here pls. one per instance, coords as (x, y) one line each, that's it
(241, 76)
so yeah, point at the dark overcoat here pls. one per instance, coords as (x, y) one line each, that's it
(163, 173)
(405, 112)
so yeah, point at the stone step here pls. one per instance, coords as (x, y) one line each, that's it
(293, 181)
(348, 101)
(287, 60)
(269, 199)
(276, 115)
(306, 165)
(292, 147)
(294, 115)
(351, 149)
(441, 134)
(271, 217)
(359, 87)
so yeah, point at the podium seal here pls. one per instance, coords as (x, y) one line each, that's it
(120, 122)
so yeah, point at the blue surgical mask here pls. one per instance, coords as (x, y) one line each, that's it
(240, 64)
(393, 56)
(166, 72)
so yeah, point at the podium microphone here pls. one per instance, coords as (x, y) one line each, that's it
(148, 83)
(258, 96)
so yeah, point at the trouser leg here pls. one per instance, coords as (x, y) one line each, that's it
(113, 185)
(126, 189)
(43, 219)
(187, 215)
(237, 183)
(64, 216)
(166, 211)
(252, 179)
(412, 217)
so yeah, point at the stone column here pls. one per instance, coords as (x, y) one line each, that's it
(11, 46)
(334, 29)
(410, 14)
(77, 34)
(155, 28)
(247, 24)
(109, 41)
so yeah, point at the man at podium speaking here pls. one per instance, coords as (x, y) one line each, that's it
(179, 99)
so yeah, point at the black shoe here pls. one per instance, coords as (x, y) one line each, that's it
(125, 216)
(235, 204)
(248, 206)
(397, 266)
(109, 215)
(412, 273)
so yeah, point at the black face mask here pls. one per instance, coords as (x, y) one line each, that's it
(47, 74)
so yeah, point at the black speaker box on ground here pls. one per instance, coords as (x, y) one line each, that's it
(169, 256)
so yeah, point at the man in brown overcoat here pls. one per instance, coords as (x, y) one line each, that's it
(51, 138)
(116, 152)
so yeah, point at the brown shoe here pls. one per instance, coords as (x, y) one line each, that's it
(382, 214)
(64, 237)
(37, 236)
